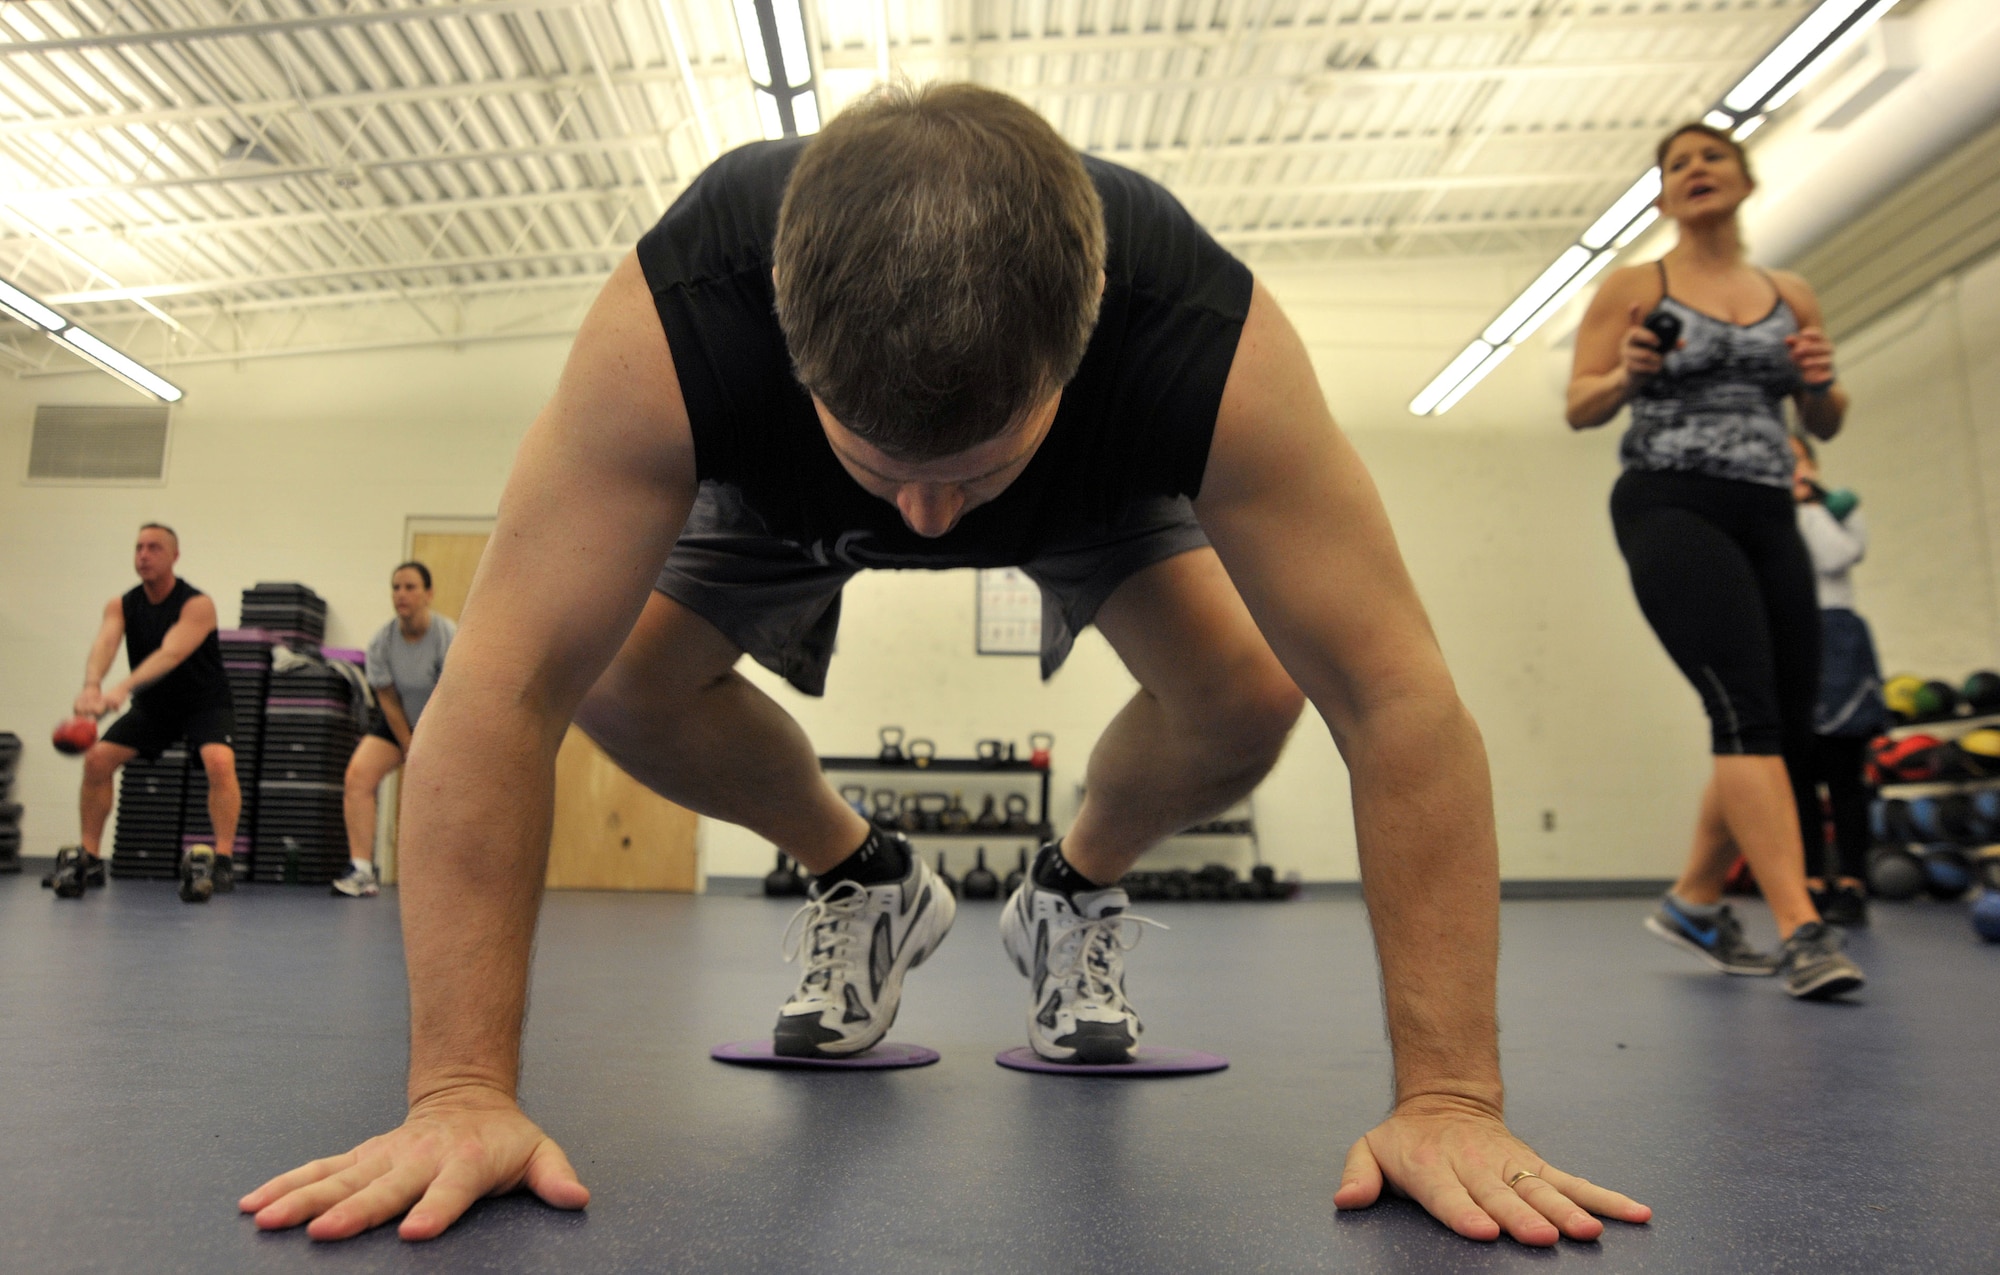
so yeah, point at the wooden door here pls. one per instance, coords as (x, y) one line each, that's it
(611, 832)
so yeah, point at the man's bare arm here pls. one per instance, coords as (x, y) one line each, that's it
(598, 493)
(182, 640)
(103, 650)
(1297, 521)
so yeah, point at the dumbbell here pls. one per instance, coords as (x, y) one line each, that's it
(1017, 876)
(1666, 329)
(783, 881)
(1265, 877)
(979, 882)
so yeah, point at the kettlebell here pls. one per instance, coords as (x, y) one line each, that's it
(884, 813)
(1017, 877)
(950, 881)
(979, 882)
(1039, 744)
(991, 752)
(921, 751)
(988, 818)
(954, 817)
(892, 746)
(909, 818)
(783, 881)
(855, 795)
(1017, 812)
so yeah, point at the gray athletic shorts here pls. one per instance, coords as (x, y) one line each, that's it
(779, 600)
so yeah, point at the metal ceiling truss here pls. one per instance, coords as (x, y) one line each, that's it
(218, 179)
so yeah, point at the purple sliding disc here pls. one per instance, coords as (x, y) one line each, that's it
(1148, 1060)
(758, 1053)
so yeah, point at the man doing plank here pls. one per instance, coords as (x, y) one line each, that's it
(936, 336)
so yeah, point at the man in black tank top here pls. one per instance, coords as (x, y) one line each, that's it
(177, 690)
(934, 336)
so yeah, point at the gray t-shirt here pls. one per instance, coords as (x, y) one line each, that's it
(411, 667)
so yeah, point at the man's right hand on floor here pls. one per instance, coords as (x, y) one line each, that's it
(453, 1149)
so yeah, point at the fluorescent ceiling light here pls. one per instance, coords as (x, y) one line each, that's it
(28, 310)
(1454, 372)
(792, 42)
(1574, 258)
(1565, 296)
(1637, 228)
(805, 110)
(1828, 56)
(1628, 205)
(1719, 119)
(125, 369)
(1749, 126)
(131, 371)
(1790, 53)
(1477, 375)
(767, 115)
(753, 42)
(779, 61)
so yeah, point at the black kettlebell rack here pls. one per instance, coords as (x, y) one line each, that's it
(914, 779)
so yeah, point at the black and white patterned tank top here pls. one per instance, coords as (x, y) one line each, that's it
(1715, 408)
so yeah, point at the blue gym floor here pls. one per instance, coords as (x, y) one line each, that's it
(157, 1060)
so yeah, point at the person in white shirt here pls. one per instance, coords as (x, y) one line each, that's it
(1850, 710)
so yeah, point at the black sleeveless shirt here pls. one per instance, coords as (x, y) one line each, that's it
(197, 680)
(1135, 423)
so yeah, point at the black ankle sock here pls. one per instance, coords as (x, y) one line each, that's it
(883, 857)
(1053, 872)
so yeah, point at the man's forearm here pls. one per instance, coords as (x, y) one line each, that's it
(1423, 810)
(151, 669)
(477, 808)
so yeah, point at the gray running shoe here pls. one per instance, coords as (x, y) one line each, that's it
(1815, 969)
(1717, 939)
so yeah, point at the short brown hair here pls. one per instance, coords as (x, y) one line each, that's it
(938, 261)
(1706, 130)
(161, 526)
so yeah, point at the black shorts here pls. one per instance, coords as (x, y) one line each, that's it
(781, 606)
(150, 732)
(378, 726)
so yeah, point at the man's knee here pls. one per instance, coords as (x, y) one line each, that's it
(361, 780)
(101, 761)
(1250, 712)
(219, 760)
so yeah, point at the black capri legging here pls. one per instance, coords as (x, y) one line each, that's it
(1726, 583)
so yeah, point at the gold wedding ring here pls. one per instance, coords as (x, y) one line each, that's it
(1517, 1179)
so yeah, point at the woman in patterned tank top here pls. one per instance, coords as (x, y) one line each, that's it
(1703, 515)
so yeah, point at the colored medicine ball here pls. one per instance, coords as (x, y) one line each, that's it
(1982, 691)
(75, 735)
(1936, 700)
(1986, 915)
(1894, 874)
(1900, 694)
(1947, 873)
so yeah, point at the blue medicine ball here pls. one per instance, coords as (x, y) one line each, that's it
(1986, 915)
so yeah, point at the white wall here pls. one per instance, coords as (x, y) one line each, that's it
(297, 469)
(1922, 446)
(306, 469)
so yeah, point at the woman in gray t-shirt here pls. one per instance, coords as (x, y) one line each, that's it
(404, 660)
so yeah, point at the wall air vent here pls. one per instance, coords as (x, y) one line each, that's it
(80, 443)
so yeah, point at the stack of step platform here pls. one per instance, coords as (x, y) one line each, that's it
(246, 658)
(10, 810)
(150, 796)
(309, 735)
(290, 613)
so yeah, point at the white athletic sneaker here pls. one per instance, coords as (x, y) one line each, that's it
(858, 942)
(1073, 953)
(358, 882)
